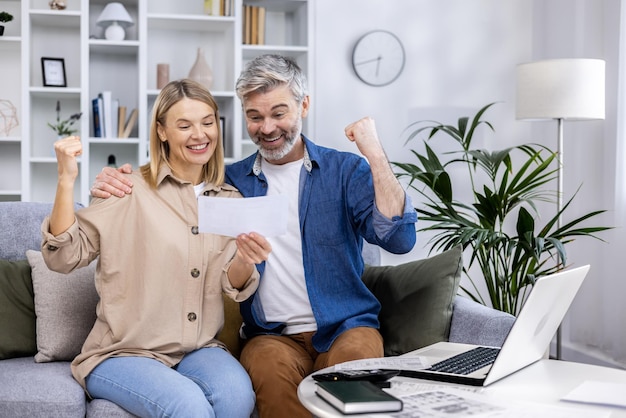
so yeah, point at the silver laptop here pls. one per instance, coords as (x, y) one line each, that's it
(527, 342)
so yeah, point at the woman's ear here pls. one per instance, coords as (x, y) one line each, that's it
(161, 132)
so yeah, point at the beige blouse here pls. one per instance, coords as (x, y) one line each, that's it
(160, 281)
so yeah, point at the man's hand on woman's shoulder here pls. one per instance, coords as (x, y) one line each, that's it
(112, 182)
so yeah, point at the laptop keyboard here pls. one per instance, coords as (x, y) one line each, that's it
(467, 362)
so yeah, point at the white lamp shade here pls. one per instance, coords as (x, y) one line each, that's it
(114, 12)
(561, 89)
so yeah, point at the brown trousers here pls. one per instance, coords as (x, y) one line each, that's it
(278, 363)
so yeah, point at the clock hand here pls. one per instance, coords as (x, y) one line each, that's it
(371, 60)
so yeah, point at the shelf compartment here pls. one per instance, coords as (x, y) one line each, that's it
(190, 23)
(43, 183)
(43, 104)
(64, 44)
(125, 151)
(285, 21)
(10, 163)
(179, 49)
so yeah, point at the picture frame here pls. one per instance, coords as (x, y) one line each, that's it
(53, 71)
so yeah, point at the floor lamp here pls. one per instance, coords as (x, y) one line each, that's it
(561, 89)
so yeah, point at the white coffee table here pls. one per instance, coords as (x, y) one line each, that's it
(544, 382)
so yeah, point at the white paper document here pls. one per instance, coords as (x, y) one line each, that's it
(396, 363)
(438, 401)
(601, 393)
(266, 215)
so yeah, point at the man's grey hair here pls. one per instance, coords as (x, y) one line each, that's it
(266, 72)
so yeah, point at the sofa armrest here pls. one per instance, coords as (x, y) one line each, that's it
(473, 323)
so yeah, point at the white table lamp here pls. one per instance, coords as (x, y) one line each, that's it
(115, 19)
(561, 89)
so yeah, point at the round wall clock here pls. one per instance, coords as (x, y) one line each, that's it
(378, 58)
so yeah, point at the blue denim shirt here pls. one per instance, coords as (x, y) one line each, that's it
(336, 213)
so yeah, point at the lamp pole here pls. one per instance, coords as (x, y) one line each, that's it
(559, 205)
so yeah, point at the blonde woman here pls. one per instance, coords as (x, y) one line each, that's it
(152, 349)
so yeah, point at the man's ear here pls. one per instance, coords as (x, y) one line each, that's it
(305, 106)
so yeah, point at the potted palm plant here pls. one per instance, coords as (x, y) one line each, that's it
(4, 18)
(499, 226)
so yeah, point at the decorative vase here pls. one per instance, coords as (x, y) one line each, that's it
(163, 75)
(201, 72)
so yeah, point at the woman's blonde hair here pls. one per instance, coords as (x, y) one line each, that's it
(172, 93)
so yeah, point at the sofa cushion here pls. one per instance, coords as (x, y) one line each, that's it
(39, 390)
(416, 300)
(20, 223)
(17, 310)
(65, 305)
(101, 408)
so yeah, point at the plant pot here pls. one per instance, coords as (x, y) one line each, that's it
(1, 30)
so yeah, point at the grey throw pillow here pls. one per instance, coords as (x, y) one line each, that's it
(416, 300)
(65, 305)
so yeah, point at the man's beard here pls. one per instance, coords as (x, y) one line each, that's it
(276, 154)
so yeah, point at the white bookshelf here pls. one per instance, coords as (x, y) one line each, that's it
(163, 32)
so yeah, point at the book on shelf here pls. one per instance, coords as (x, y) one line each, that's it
(121, 121)
(228, 7)
(254, 21)
(357, 397)
(218, 7)
(247, 10)
(96, 105)
(112, 120)
(107, 107)
(253, 25)
(115, 106)
(130, 124)
(212, 7)
(261, 26)
(225, 143)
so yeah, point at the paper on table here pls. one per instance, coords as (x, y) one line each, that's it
(398, 363)
(266, 215)
(601, 393)
(450, 402)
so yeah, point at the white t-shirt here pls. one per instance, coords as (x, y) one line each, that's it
(198, 189)
(282, 290)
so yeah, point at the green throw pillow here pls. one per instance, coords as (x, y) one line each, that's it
(416, 300)
(17, 310)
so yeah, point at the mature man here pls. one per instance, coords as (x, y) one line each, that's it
(311, 309)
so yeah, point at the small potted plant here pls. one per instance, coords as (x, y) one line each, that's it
(64, 127)
(4, 17)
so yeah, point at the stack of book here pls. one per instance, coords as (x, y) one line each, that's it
(218, 7)
(109, 118)
(253, 25)
(357, 397)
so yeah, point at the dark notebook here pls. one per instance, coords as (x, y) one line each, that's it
(357, 397)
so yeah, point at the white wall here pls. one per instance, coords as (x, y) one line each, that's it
(461, 55)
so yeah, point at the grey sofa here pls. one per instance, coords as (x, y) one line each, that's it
(31, 389)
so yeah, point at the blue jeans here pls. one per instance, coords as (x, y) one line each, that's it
(208, 382)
